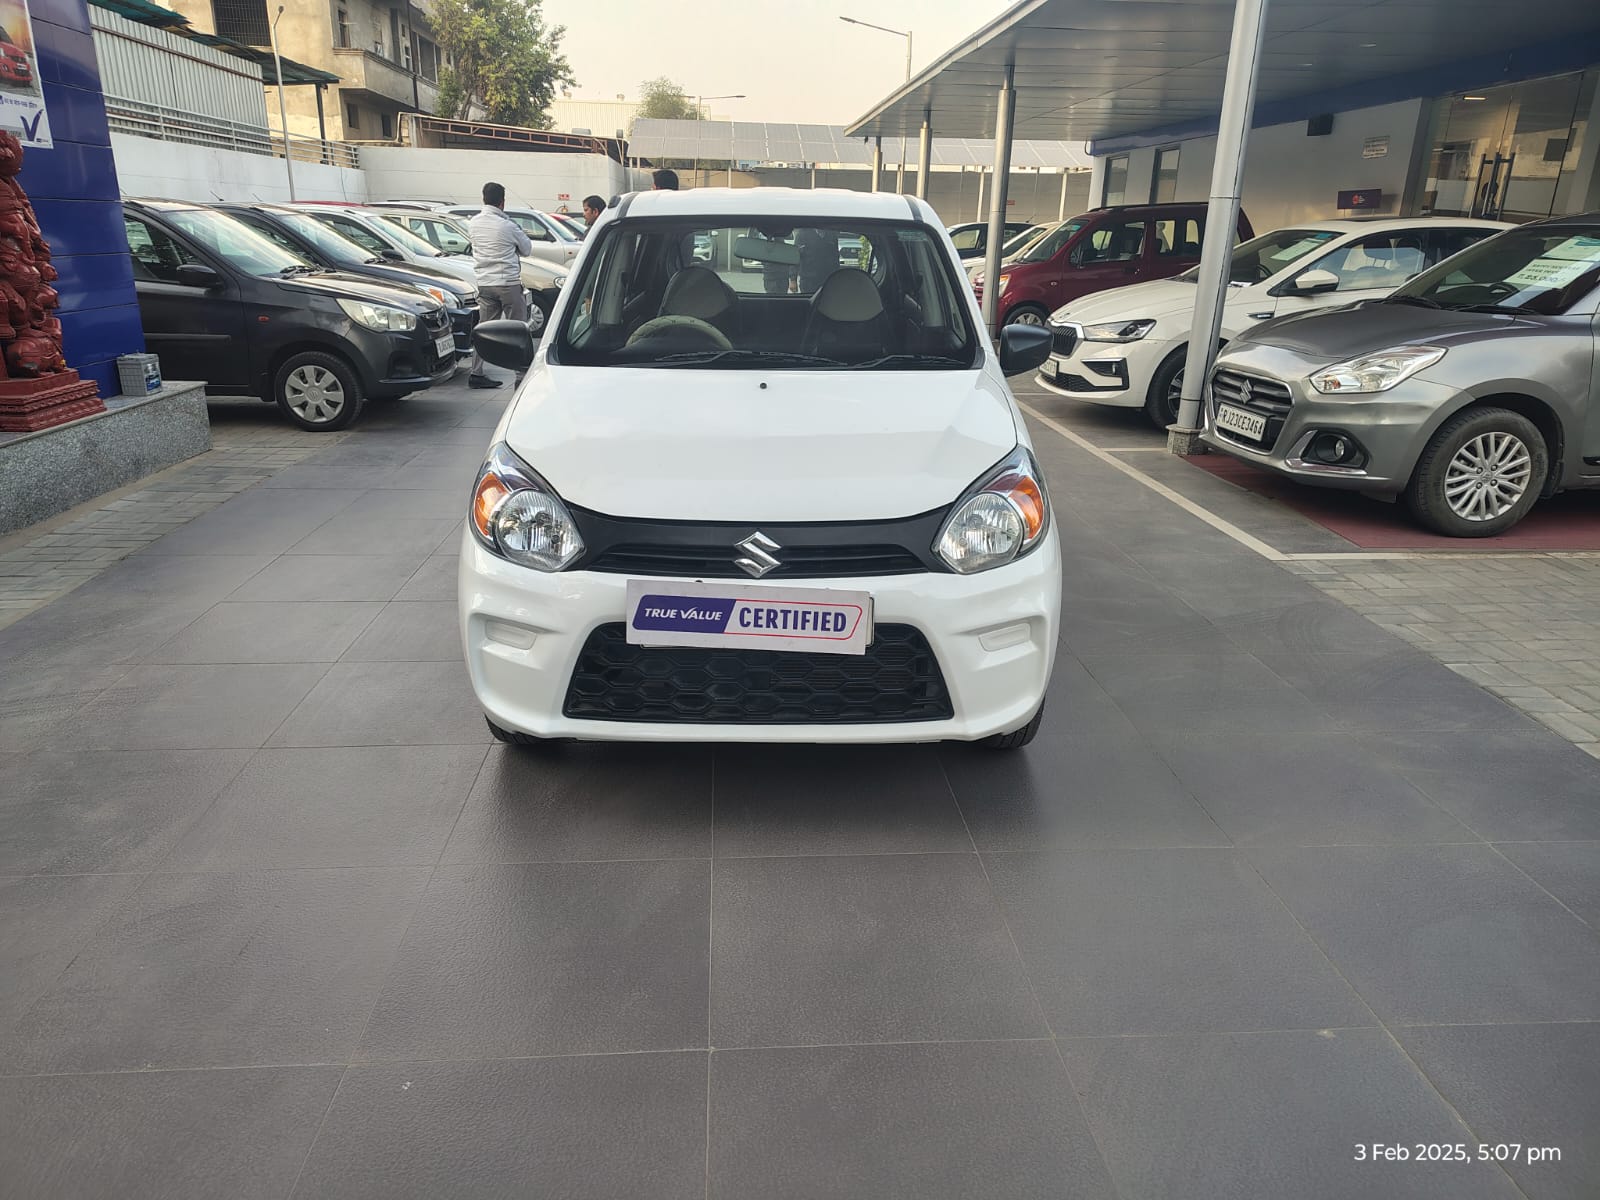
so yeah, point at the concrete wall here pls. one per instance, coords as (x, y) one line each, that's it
(74, 192)
(178, 171)
(1290, 177)
(532, 180)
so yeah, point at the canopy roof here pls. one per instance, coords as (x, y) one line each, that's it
(154, 15)
(748, 141)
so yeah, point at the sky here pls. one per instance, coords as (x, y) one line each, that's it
(793, 60)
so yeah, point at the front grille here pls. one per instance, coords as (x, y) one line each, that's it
(1269, 397)
(1063, 341)
(436, 321)
(896, 680)
(716, 562)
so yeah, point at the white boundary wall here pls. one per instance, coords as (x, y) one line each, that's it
(532, 180)
(179, 171)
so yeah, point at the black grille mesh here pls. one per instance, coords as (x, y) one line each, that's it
(897, 680)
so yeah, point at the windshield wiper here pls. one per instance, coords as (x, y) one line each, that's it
(701, 357)
(908, 360)
(301, 269)
(1514, 309)
(1419, 301)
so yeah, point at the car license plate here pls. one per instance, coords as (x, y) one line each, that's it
(1241, 421)
(736, 615)
(446, 346)
(1048, 370)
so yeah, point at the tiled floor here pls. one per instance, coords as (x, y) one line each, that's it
(276, 918)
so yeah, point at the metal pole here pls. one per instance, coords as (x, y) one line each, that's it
(877, 162)
(924, 159)
(1005, 116)
(908, 56)
(1061, 209)
(1222, 217)
(981, 177)
(283, 119)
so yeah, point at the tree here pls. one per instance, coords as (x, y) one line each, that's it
(664, 100)
(504, 59)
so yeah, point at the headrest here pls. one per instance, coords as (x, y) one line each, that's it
(848, 295)
(697, 292)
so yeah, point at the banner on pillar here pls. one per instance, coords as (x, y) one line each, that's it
(21, 95)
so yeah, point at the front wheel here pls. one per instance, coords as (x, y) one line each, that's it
(1027, 314)
(1017, 738)
(318, 391)
(538, 314)
(1479, 474)
(1166, 389)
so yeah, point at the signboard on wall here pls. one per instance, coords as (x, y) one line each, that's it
(21, 95)
(1361, 198)
(1375, 147)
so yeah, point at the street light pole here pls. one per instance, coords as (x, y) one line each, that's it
(699, 102)
(900, 171)
(283, 119)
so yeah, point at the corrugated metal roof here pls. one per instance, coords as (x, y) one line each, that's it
(771, 142)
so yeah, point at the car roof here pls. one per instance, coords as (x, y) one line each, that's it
(161, 204)
(1383, 224)
(828, 203)
(1585, 220)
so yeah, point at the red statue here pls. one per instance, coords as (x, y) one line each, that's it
(37, 388)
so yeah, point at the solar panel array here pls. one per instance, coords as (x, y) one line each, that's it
(752, 141)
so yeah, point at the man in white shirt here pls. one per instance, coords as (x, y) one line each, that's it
(498, 245)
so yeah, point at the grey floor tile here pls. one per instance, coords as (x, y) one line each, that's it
(447, 502)
(1506, 786)
(410, 631)
(1569, 871)
(1076, 704)
(834, 800)
(273, 967)
(1306, 790)
(172, 1135)
(550, 958)
(303, 577)
(1523, 1085)
(90, 811)
(435, 579)
(600, 1126)
(44, 922)
(1204, 691)
(36, 701)
(587, 801)
(259, 521)
(1441, 934)
(387, 704)
(1312, 626)
(192, 707)
(1267, 1116)
(376, 529)
(824, 951)
(457, 478)
(367, 806)
(1160, 941)
(269, 632)
(1072, 789)
(919, 1122)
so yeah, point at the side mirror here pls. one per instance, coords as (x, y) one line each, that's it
(390, 254)
(198, 275)
(506, 344)
(1314, 283)
(1023, 348)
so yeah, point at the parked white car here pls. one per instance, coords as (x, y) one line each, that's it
(552, 240)
(1126, 347)
(714, 513)
(367, 228)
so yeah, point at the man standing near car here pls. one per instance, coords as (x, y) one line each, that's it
(593, 206)
(498, 245)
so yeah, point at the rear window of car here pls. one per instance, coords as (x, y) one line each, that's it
(763, 293)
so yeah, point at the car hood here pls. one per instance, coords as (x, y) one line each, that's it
(709, 445)
(1158, 298)
(1333, 335)
(336, 285)
(421, 274)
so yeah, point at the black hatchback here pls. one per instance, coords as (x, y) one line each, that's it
(319, 243)
(222, 304)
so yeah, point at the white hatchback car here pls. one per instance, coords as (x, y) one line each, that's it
(1125, 347)
(721, 511)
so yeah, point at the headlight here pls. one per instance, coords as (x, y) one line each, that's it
(1375, 372)
(1117, 331)
(443, 297)
(1000, 518)
(378, 316)
(1004, 279)
(517, 516)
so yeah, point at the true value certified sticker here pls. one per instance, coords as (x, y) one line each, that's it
(662, 613)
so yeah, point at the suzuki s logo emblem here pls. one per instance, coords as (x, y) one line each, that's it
(758, 558)
(1246, 390)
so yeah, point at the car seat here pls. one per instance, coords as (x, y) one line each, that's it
(1387, 267)
(847, 320)
(700, 292)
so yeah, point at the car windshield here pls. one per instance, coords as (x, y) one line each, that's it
(1261, 258)
(764, 293)
(1024, 239)
(336, 247)
(1050, 244)
(242, 247)
(1535, 269)
(410, 242)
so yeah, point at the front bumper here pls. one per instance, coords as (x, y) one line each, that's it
(411, 360)
(994, 635)
(1116, 374)
(1390, 427)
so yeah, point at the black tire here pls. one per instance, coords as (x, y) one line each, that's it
(538, 314)
(310, 380)
(1017, 738)
(1161, 401)
(1426, 494)
(1027, 314)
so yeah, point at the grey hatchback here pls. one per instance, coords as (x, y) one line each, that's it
(1471, 391)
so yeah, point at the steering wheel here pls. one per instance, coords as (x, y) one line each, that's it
(668, 326)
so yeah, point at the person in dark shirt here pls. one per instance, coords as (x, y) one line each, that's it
(819, 256)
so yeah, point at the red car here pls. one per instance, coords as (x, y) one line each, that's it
(1106, 248)
(14, 66)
